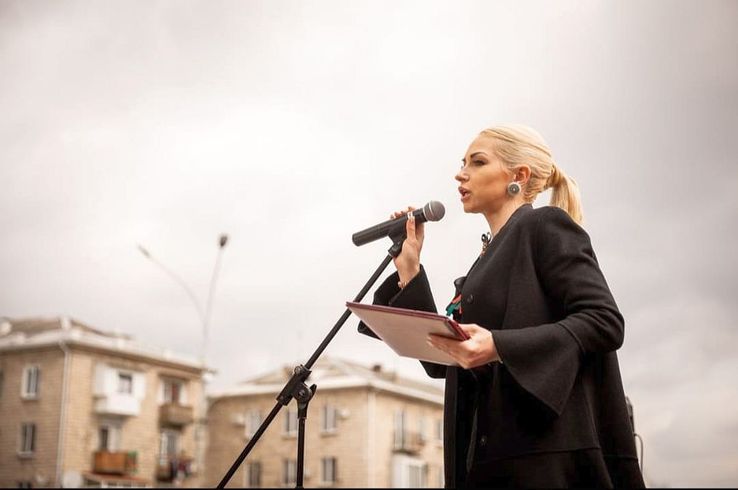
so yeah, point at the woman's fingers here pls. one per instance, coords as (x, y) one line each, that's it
(446, 344)
(410, 227)
(479, 349)
(398, 214)
(414, 231)
(408, 261)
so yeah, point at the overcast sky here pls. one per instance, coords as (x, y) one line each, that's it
(291, 125)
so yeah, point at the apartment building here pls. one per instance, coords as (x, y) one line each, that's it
(84, 407)
(366, 427)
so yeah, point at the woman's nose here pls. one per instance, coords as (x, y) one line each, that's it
(462, 176)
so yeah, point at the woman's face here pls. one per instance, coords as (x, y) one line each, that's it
(483, 178)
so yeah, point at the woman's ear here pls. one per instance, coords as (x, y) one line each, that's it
(522, 174)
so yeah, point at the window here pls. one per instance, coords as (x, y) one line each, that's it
(439, 430)
(31, 378)
(28, 439)
(409, 472)
(417, 475)
(104, 436)
(421, 429)
(253, 422)
(173, 391)
(289, 472)
(290, 422)
(328, 419)
(328, 470)
(168, 446)
(108, 435)
(253, 475)
(400, 429)
(125, 383)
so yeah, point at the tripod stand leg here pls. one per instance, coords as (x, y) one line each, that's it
(302, 409)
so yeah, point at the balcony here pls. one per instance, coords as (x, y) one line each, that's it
(170, 469)
(408, 442)
(175, 414)
(118, 404)
(115, 463)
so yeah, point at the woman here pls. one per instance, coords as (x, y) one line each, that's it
(537, 399)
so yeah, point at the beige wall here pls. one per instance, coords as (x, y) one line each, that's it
(362, 444)
(347, 444)
(138, 433)
(44, 412)
(227, 440)
(432, 451)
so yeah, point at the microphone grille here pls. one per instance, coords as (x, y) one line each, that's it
(434, 211)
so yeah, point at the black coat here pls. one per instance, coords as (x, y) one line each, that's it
(554, 412)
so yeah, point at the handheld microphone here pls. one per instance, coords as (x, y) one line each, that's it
(433, 211)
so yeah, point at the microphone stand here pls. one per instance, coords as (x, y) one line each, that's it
(296, 387)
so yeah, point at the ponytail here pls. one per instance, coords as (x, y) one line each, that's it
(565, 193)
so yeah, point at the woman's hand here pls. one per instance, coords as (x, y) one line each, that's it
(408, 262)
(476, 351)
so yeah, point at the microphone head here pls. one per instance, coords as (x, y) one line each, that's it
(434, 211)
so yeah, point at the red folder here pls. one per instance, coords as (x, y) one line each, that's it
(406, 331)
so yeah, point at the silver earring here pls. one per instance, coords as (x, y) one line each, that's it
(513, 188)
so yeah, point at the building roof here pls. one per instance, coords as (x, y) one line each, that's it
(26, 333)
(330, 373)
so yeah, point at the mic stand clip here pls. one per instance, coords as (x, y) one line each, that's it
(297, 389)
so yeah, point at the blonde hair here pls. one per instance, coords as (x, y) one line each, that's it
(518, 145)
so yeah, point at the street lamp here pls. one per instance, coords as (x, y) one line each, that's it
(204, 316)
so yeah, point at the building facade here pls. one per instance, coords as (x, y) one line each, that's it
(366, 427)
(83, 407)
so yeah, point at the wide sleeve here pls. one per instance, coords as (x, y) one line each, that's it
(545, 359)
(416, 295)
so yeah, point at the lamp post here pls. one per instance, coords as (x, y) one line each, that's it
(204, 317)
(203, 314)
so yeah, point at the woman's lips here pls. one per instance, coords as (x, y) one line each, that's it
(464, 193)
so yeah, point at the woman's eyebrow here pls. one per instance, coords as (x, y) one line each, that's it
(463, 160)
